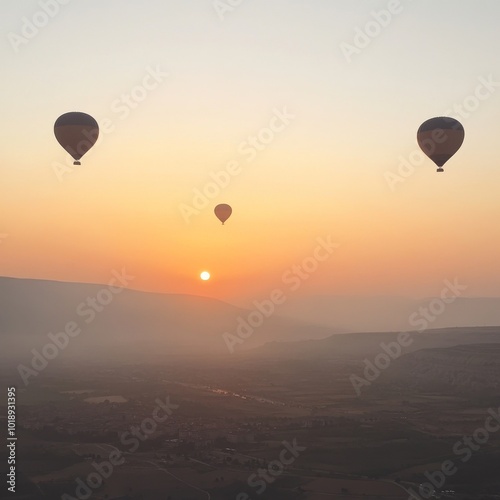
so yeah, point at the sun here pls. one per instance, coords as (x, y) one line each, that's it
(205, 275)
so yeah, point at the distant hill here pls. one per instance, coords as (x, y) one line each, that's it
(134, 325)
(473, 368)
(384, 314)
(361, 345)
(140, 326)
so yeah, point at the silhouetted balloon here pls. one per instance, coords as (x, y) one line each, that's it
(440, 138)
(76, 133)
(223, 212)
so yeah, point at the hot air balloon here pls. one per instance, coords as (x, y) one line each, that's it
(223, 212)
(440, 138)
(76, 133)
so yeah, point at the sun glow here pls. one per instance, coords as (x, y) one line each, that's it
(205, 275)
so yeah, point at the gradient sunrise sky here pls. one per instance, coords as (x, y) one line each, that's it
(325, 174)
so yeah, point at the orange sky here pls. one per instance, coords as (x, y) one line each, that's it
(324, 173)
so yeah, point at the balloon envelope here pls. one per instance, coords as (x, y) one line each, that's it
(440, 138)
(223, 212)
(76, 133)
